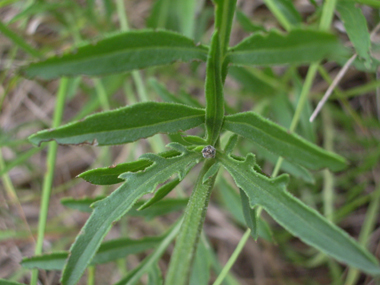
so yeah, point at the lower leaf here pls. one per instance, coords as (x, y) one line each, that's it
(299, 219)
(112, 208)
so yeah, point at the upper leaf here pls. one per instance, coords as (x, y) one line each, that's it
(356, 27)
(298, 46)
(112, 208)
(120, 53)
(278, 140)
(125, 125)
(296, 217)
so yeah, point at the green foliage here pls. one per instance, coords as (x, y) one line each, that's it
(110, 128)
(298, 46)
(279, 141)
(120, 53)
(296, 217)
(133, 50)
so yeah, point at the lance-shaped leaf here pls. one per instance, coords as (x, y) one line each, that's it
(356, 27)
(285, 12)
(299, 219)
(110, 175)
(298, 46)
(120, 53)
(125, 125)
(278, 140)
(109, 251)
(112, 208)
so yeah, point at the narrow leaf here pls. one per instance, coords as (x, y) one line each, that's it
(247, 24)
(300, 220)
(250, 215)
(278, 140)
(214, 91)
(124, 125)
(155, 275)
(135, 275)
(110, 175)
(298, 46)
(6, 282)
(356, 27)
(109, 251)
(285, 12)
(112, 208)
(160, 193)
(120, 53)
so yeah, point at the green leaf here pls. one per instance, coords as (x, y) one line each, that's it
(232, 201)
(134, 276)
(82, 205)
(251, 82)
(120, 53)
(112, 208)
(356, 27)
(155, 275)
(110, 175)
(124, 125)
(288, 167)
(160, 194)
(214, 91)
(285, 12)
(298, 46)
(6, 282)
(278, 140)
(159, 208)
(109, 251)
(200, 273)
(19, 41)
(247, 24)
(300, 220)
(250, 215)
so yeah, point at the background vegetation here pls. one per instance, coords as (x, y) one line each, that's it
(348, 125)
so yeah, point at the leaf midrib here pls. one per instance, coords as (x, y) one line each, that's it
(132, 128)
(64, 60)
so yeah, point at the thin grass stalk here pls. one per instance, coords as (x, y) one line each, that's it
(49, 175)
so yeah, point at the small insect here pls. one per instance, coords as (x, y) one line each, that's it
(208, 151)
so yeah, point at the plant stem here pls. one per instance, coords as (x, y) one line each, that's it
(183, 255)
(49, 175)
(233, 258)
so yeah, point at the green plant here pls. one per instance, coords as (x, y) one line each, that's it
(132, 50)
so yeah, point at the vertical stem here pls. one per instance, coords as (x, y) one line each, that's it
(49, 175)
(366, 230)
(183, 255)
(328, 178)
(233, 258)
